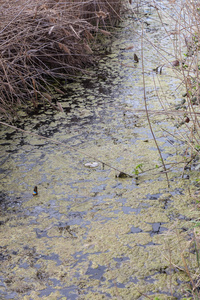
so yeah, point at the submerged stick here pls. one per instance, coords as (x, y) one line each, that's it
(147, 113)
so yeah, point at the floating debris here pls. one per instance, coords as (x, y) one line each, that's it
(159, 69)
(129, 48)
(187, 120)
(175, 63)
(35, 191)
(183, 101)
(123, 175)
(92, 164)
(136, 59)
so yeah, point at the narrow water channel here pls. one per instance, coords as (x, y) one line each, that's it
(90, 234)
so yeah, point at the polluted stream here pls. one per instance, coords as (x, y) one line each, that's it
(92, 233)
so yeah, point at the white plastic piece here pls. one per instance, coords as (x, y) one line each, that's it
(92, 164)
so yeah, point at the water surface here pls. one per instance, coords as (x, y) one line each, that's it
(90, 234)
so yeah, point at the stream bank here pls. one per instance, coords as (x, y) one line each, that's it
(89, 234)
(44, 43)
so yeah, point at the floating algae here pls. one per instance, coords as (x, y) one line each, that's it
(90, 234)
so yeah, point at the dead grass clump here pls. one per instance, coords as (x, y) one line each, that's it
(44, 40)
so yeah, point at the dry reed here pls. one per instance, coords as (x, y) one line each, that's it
(41, 41)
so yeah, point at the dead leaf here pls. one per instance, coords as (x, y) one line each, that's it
(60, 107)
(175, 63)
(64, 48)
(187, 120)
(88, 49)
(136, 59)
(47, 96)
(59, 91)
(44, 6)
(66, 32)
(105, 32)
(129, 48)
(89, 36)
(101, 14)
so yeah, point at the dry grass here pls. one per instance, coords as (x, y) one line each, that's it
(186, 66)
(44, 40)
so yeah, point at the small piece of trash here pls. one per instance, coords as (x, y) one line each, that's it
(35, 191)
(92, 164)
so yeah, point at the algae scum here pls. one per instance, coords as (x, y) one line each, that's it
(90, 234)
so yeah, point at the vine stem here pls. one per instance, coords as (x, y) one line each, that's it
(146, 110)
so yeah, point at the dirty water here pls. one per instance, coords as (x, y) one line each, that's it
(90, 234)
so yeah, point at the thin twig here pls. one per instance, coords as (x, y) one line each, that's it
(147, 114)
(63, 144)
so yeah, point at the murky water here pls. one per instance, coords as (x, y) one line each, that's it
(90, 234)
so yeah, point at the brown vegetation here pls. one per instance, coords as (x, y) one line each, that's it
(44, 40)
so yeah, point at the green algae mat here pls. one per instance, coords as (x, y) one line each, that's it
(89, 233)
